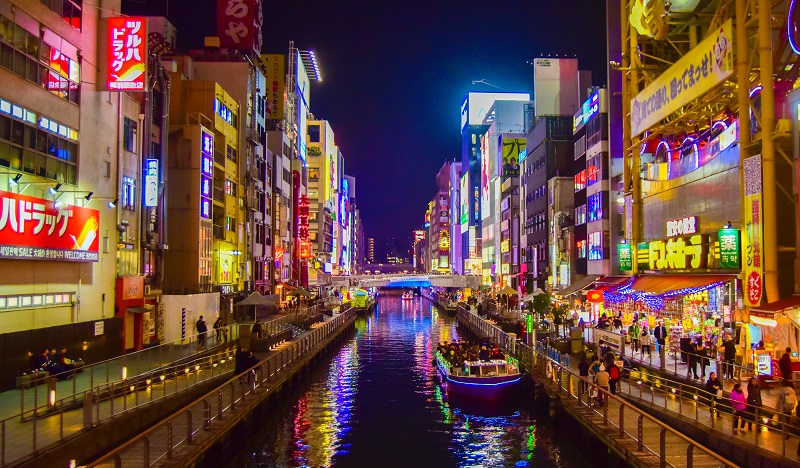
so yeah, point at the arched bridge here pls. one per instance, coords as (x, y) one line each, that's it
(408, 281)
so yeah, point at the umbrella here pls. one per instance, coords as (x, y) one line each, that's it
(530, 296)
(507, 291)
(300, 291)
(257, 299)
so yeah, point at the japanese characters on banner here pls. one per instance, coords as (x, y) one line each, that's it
(753, 233)
(239, 24)
(33, 228)
(127, 54)
(302, 227)
(702, 68)
(275, 74)
(511, 149)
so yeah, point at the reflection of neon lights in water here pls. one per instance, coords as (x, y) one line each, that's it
(499, 384)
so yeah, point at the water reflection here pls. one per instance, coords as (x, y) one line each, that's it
(378, 403)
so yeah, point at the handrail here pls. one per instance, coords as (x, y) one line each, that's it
(335, 322)
(497, 332)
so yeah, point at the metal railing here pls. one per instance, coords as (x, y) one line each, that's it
(53, 419)
(70, 387)
(197, 420)
(536, 361)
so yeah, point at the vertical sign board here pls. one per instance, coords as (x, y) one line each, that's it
(274, 67)
(239, 24)
(206, 173)
(753, 232)
(729, 253)
(127, 54)
(151, 183)
(183, 323)
(625, 254)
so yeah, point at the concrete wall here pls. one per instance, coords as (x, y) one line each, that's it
(206, 304)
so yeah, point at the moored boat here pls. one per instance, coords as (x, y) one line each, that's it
(488, 380)
(407, 296)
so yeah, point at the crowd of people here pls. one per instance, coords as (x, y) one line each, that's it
(456, 352)
(55, 363)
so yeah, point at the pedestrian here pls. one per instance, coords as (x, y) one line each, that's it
(257, 329)
(601, 379)
(613, 373)
(753, 402)
(635, 331)
(239, 360)
(728, 356)
(644, 342)
(583, 371)
(702, 358)
(787, 401)
(714, 391)
(217, 332)
(785, 364)
(691, 359)
(201, 332)
(739, 405)
(660, 334)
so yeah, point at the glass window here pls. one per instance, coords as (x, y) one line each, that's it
(129, 135)
(128, 193)
(313, 133)
(595, 206)
(580, 248)
(580, 180)
(596, 245)
(580, 215)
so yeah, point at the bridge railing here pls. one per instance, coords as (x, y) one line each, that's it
(571, 386)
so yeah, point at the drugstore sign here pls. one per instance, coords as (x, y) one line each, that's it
(127, 54)
(695, 252)
(35, 229)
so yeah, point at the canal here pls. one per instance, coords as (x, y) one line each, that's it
(377, 403)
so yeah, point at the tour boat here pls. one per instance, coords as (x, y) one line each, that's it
(407, 296)
(488, 380)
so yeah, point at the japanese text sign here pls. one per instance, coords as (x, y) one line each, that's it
(753, 234)
(729, 253)
(33, 228)
(625, 254)
(511, 149)
(239, 24)
(151, 183)
(702, 68)
(127, 54)
(274, 67)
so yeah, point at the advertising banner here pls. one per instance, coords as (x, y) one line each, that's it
(464, 203)
(702, 68)
(625, 254)
(239, 24)
(511, 149)
(753, 234)
(275, 73)
(729, 253)
(127, 54)
(34, 229)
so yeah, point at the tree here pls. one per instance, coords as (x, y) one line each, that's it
(540, 304)
(560, 313)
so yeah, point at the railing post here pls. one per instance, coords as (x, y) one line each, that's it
(146, 452)
(219, 404)
(621, 421)
(662, 449)
(233, 396)
(606, 402)
(690, 456)
(640, 433)
(189, 426)
(206, 415)
(169, 440)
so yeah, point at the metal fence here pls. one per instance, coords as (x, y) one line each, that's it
(197, 421)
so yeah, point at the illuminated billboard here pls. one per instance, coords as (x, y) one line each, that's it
(127, 54)
(239, 24)
(511, 149)
(485, 178)
(303, 105)
(464, 202)
(274, 67)
(477, 105)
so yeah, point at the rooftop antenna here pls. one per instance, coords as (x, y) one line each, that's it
(489, 83)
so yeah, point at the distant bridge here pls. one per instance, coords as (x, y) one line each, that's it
(408, 281)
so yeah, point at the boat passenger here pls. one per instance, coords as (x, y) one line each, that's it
(483, 355)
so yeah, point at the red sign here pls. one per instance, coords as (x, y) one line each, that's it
(33, 228)
(127, 54)
(239, 24)
(305, 249)
(754, 287)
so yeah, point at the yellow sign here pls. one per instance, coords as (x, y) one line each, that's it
(504, 246)
(677, 253)
(753, 235)
(708, 64)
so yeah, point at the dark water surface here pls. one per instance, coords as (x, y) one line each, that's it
(377, 403)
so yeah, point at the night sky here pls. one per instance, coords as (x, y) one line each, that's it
(395, 72)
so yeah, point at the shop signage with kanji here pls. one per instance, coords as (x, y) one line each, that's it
(239, 24)
(35, 229)
(694, 252)
(127, 54)
(729, 251)
(625, 255)
(753, 232)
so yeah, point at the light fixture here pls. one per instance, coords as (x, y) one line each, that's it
(113, 203)
(54, 190)
(88, 196)
(15, 180)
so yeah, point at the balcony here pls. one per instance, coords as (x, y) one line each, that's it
(219, 195)
(219, 158)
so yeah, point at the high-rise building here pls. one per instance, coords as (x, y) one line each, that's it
(324, 178)
(371, 250)
(439, 229)
(456, 255)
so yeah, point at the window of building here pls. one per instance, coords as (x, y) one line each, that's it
(129, 135)
(594, 205)
(580, 180)
(313, 133)
(580, 147)
(231, 153)
(229, 223)
(69, 10)
(225, 113)
(580, 215)
(27, 56)
(596, 245)
(128, 193)
(595, 168)
(580, 248)
(230, 187)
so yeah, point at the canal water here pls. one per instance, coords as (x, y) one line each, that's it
(377, 403)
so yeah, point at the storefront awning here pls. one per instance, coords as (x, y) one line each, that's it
(661, 284)
(579, 285)
(779, 305)
(137, 310)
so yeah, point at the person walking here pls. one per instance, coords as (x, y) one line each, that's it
(635, 331)
(728, 356)
(583, 371)
(753, 402)
(257, 329)
(787, 401)
(660, 334)
(714, 391)
(785, 364)
(739, 405)
(601, 379)
(702, 358)
(613, 372)
(644, 342)
(217, 332)
(201, 332)
(691, 359)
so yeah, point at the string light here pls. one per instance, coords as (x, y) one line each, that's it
(655, 302)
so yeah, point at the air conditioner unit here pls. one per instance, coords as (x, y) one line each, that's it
(146, 289)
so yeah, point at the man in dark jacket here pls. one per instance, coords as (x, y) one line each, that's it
(201, 332)
(729, 356)
(785, 364)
